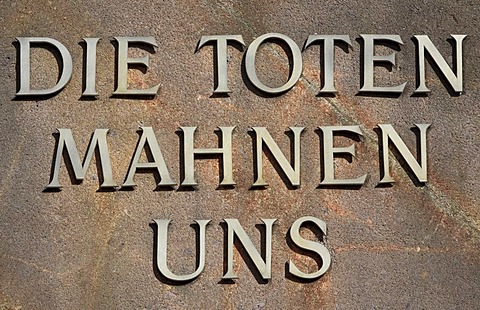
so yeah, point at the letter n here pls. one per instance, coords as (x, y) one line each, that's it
(419, 169)
(264, 267)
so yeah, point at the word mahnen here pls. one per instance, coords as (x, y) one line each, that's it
(262, 139)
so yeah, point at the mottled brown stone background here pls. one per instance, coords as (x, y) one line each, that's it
(400, 247)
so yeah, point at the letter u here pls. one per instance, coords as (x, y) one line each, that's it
(162, 237)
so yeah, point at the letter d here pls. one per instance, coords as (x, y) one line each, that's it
(66, 61)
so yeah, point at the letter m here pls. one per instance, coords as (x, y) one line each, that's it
(66, 147)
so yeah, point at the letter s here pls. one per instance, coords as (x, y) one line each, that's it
(308, 245)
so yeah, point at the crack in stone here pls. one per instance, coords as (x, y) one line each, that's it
(37, 267)
(389, 248)
(449, 207)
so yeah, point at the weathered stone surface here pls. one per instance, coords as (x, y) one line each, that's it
(402, 247)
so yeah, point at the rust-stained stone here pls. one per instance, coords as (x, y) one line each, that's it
(402, 247)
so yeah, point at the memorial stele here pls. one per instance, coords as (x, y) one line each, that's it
(237, 155)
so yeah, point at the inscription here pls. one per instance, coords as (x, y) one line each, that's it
(262, 265)
(424, 47)
(262, 140)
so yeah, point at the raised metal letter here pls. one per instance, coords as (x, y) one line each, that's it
(369, 60)
(263, 136)
(65, 61)
(148, 137)
(65, 140)
(221, 42)
(124, 61)
(252, 72)
(455, 80)
(389, 134)
(329, 151)
(90, 66)
(225, 151)
(264, 267)
(162, 236)
(328, 57)
(308, 245)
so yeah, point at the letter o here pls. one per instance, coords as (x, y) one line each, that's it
(250, 63)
